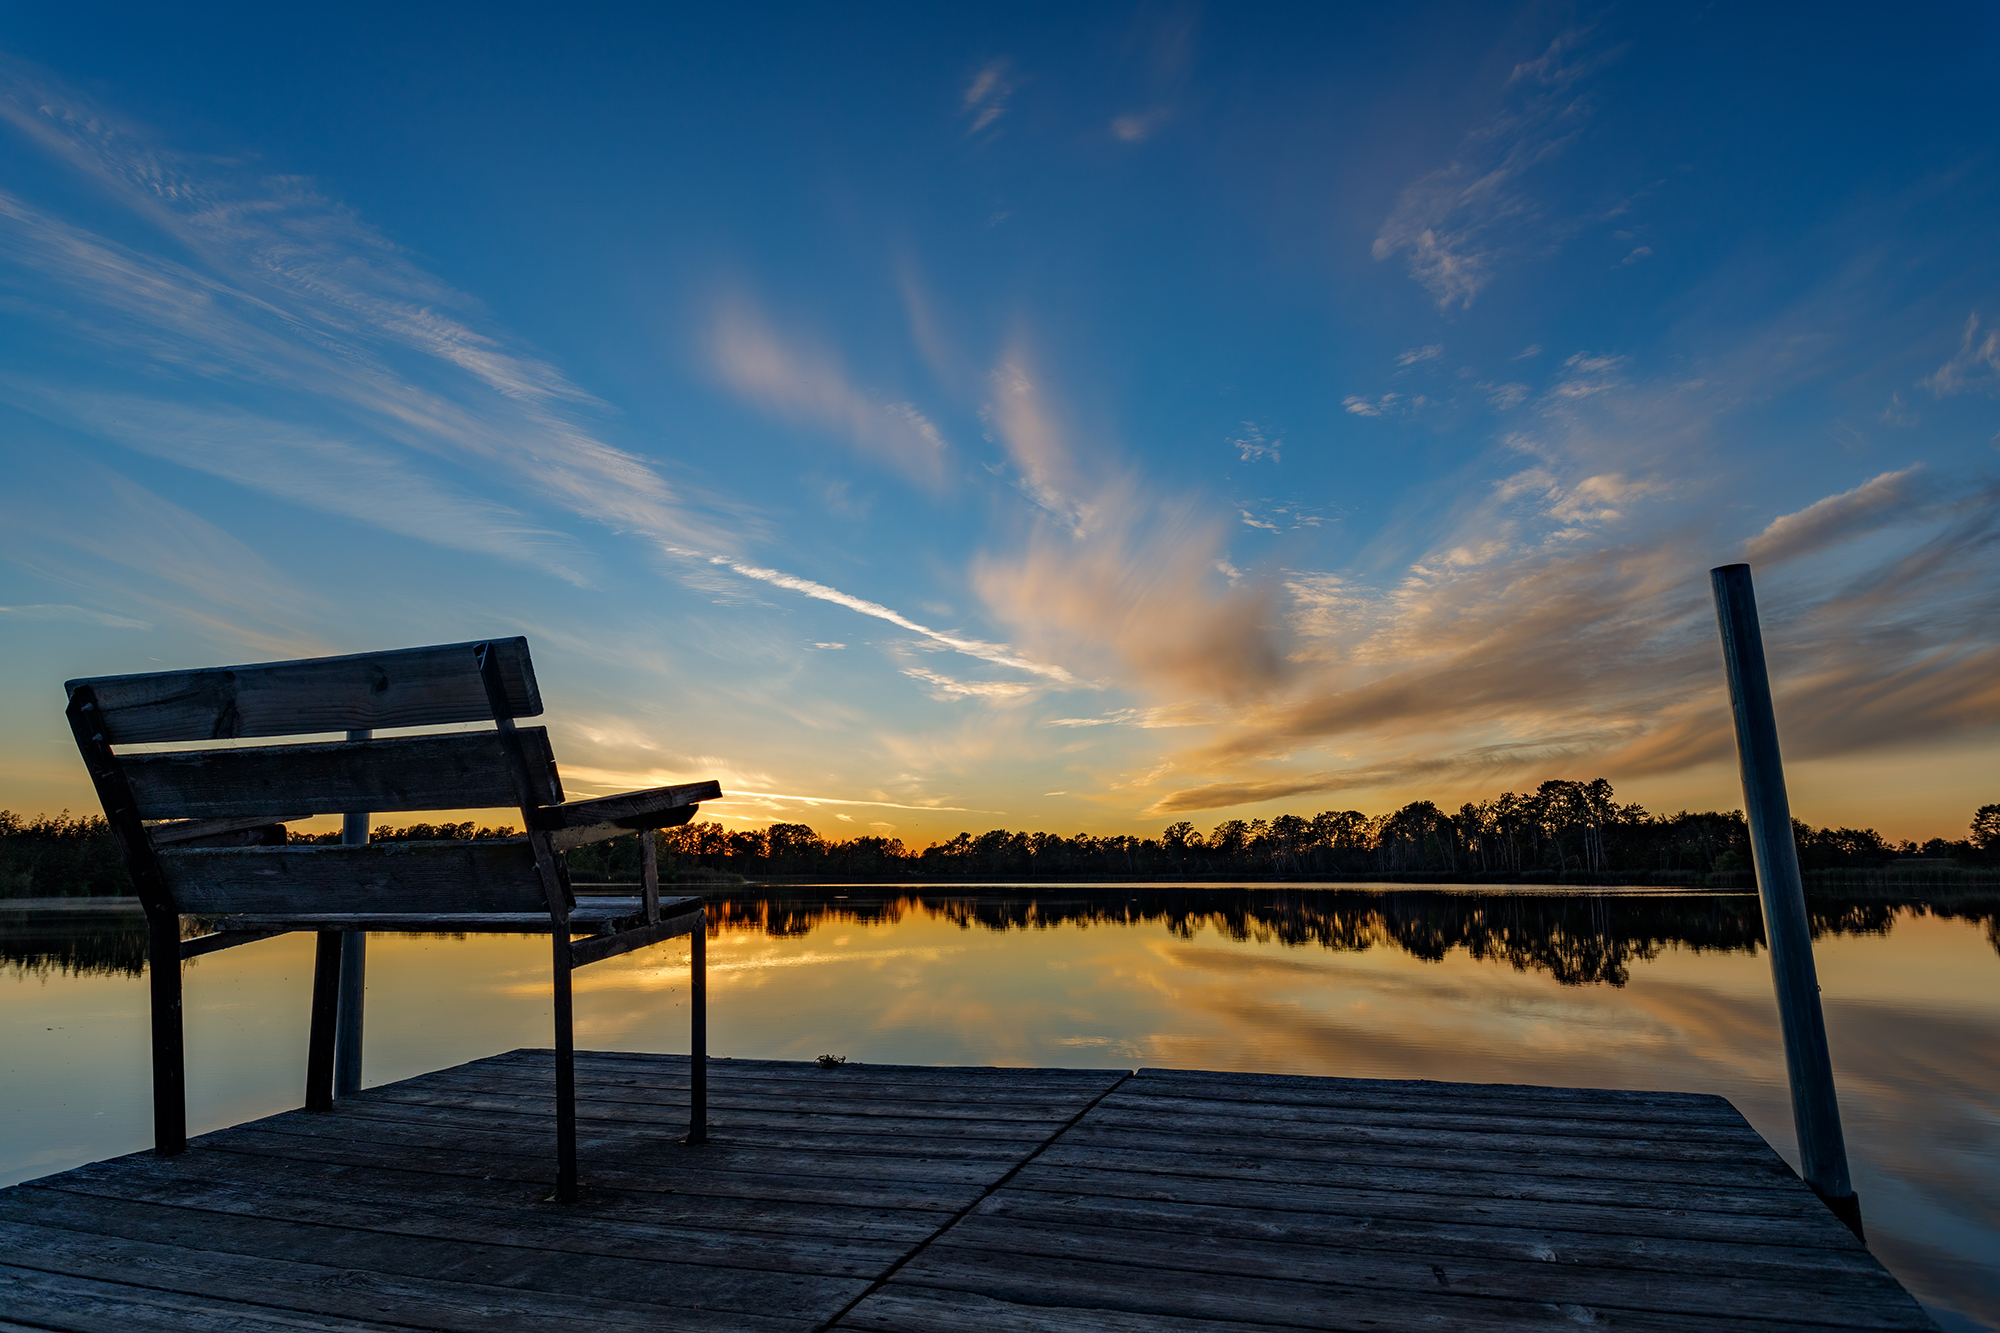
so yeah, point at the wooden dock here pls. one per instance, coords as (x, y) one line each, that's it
(901, 1198)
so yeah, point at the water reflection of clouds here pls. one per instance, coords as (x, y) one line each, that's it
(1275, 982)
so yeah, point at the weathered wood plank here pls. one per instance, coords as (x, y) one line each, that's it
(456, 1285)
(775, 1126)
(829, 1100)
(224, 939)
(1503, 1136)
(298, 1190)
(467, 770)
(88, 1305)
(898, 1308)
(1327, 1159)
(1285, 1087)
(1104, 1283)
(633, 935)
(491, 875)
(518, 1223)
(1423, 1199)
(1861, 1298)
(565, 839)
(1573, 1240)
(616, 1136)
(1416, 1114)
(410, 687)
(943, 1192)
(590, 915)
(1467, 1177)
(630, 810)
(1716, 1111)
(943, 1078)
(1185, 1204)
(830, 1096)
(248, 831)
(1456, 1098)
(608, 1157)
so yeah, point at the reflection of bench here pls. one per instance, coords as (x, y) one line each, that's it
(224, 857)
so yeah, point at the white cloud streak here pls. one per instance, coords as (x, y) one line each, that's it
(1454, 224)
(1975, 367)
(997, 653)
(82, 614)
(986, 97)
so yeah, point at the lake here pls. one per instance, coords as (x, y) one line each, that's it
(1611, 988)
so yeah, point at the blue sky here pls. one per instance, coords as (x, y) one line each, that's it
(1063, 417)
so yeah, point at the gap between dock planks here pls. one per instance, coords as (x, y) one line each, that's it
(905, 1198)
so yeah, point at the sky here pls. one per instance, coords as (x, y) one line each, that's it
(1034, 416)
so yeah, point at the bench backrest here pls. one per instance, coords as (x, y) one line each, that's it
(487, 680)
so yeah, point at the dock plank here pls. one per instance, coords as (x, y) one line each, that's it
(893, 1198)
(1088, 1284)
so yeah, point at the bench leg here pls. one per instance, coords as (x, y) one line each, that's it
(698, 1037)
(163, 963)
(325, 1012)
(566, 1183)
(347, 1025)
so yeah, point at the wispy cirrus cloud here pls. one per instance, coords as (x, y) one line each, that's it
(1561, 624)
(986, 97)
(313, 360)
(365, 482)
(946, 687)
(143, 552)
(802, 383)
(82, 614)
(1605, 657)
(265, 300)
(1116, 575)
(1973, 368)
(1454, 224)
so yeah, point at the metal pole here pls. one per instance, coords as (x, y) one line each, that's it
(353, 971)
(698, 1036)
(1775, 854)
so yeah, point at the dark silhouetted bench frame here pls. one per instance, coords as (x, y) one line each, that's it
(202, 831)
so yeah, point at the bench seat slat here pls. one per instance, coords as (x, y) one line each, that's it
(592, 917)
(457, 771)
(489, 875)
(410, 687)
(656, 807)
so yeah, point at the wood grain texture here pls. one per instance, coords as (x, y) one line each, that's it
(213, 832)
(409, 687)
(591, 916)
(494, 875)
(632, 810)
(632, 933)
(224, 939)
(456, 771)
(565, 838)
(913, 1198)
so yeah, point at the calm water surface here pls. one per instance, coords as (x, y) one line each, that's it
(1613, 989)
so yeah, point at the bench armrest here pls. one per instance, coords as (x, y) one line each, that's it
(578, 823)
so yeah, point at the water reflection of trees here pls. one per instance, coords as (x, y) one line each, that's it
(1577, 938)
(88, 943)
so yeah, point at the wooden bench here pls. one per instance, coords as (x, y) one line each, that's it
(202, 831)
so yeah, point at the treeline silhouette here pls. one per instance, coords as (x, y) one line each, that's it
(1562, 831)
(1574, 938)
